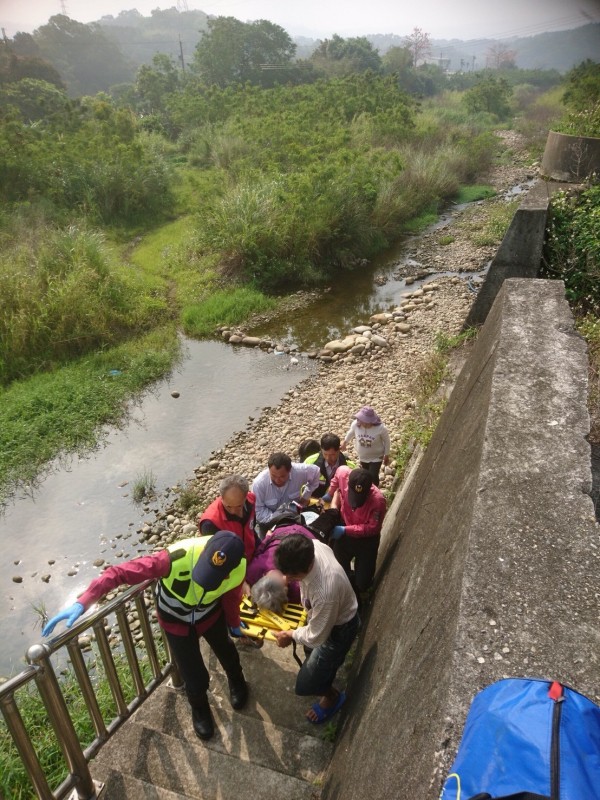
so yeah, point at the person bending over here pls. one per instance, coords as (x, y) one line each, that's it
(198, 593)
(333, 620)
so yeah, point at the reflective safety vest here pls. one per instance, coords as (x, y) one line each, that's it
(178, 597)
(324, 479)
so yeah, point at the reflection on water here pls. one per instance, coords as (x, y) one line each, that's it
(85, 511)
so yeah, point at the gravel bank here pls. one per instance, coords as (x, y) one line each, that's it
(382, 377)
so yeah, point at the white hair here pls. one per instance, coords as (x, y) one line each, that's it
(270, 593)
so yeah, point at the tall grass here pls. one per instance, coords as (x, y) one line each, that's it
(224, 308)
(61, 297)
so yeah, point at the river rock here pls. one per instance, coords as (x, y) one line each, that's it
(358, 349)
(402, 327)
(251, 341)
(431, 287)
(189, 529)
(361, 329)
(17, 579)
(379, 340)
(409, 307)
(339, 345)
(235, 338)
(225, 335)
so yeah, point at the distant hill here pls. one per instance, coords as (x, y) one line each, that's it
(558, 50)
(141, 37)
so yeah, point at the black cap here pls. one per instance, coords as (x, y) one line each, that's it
(222, 553)
(359, 486)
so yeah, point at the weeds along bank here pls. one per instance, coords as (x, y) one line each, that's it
(269, 189)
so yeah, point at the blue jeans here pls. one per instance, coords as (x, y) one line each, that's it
(318, 672)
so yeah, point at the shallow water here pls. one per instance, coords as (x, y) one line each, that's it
(78, 512)
(85, 511)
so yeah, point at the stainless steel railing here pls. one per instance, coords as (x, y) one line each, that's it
(40, 671)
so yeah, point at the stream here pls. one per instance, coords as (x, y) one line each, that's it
(83, 511)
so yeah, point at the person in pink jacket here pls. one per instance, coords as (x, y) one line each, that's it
(362, 508)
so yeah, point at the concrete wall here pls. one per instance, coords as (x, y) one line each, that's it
(520, 252)
(491, 567)
(570, 158)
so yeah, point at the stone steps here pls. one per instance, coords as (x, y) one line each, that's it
(267, 750)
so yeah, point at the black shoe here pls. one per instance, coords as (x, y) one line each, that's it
(238, 693)
(202, 720)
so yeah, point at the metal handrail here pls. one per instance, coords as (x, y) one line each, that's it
(40, 671)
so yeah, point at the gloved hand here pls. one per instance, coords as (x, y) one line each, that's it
(338, 532)
(326, 498)
(237, 632)
(71, 614)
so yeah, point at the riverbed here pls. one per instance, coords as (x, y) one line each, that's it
(235, 406)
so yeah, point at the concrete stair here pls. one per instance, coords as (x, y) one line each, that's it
(267, 750)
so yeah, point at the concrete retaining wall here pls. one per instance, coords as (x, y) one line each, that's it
(520, 252)
(491, 567)
(570, 158)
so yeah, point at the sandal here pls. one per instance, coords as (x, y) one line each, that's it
(323, 714)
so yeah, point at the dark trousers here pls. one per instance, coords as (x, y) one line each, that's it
(187, 655)
(364, 552)
(373, 467)
(318, 672)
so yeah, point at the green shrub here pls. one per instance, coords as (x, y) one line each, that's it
(572, 251)
(61, 297)
(224, 307)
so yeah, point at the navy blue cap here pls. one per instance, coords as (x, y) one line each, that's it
(222, 553)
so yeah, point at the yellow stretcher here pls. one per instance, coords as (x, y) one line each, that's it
(260, 622)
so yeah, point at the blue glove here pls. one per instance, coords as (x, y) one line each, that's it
(237, 632)
(326, 498)
(338, 532)
(71, 614)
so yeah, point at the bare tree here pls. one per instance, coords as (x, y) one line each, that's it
(499, 56)
(419, 45)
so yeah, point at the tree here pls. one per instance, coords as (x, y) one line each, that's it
(34, 99)
(583, 86)
(87, 60)
(155, 84)
(338, 56)
(419, 45)
(490, 94)
(235, 52)
(14, 68)
(398, 60)
(499, 56)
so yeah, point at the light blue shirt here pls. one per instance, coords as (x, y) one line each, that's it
(303, 480)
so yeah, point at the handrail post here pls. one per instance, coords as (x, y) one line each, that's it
(49, 689)
(16, 727)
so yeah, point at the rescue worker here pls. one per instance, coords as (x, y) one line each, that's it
(328, 459)
(198, 593)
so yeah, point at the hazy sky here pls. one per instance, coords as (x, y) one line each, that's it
(461, 19)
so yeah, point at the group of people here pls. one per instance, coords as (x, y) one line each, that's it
(243, 549)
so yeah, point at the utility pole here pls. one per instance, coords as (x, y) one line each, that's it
(181, 54)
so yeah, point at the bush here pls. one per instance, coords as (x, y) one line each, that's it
(225, 307)
(60, 297)
(572, 251)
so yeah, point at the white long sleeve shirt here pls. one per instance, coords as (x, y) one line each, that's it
(327, 592)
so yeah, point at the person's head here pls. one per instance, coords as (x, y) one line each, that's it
(367, 417)
(222, 553)
(295, 556)
(330, 447)
(233, 490)
(306, 448)
(270, 591)
(359, 487)
(280, 466)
